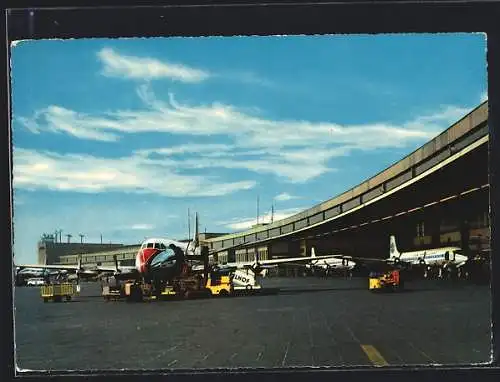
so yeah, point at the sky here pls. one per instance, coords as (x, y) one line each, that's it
(120, 137)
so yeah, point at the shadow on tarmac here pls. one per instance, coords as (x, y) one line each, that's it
(313, 290)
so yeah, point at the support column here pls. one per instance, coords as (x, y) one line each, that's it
(231, 255)
(303, 248)
(464, 236)
(434, 229)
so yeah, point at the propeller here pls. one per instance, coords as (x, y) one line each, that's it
(79, 270)
(256, 266)
(117, 269)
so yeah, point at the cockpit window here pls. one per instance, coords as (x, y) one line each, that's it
(163, 258)
(160, 246)
(150, 245)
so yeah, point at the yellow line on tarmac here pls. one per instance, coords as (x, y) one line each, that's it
(374, 355)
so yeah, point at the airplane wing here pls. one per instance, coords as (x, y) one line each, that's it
(109, 268)
(272, 262)
(79, 268)
(370, 260)
(54, 266)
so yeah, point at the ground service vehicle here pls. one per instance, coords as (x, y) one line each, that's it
(192, 286)
(188, 283)
(58, 292)
(220, 285)
(385, 281)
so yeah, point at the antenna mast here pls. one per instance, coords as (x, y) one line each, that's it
(272, 212)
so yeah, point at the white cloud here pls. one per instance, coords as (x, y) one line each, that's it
(446, 114)
(142, 227)
(249, 78)
(148, 68)
(86, 173)
(295, 150)
(239, 224)
(189, 148)
(284, 196)
(117, 65)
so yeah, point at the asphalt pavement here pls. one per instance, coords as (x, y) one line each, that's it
(311, 322)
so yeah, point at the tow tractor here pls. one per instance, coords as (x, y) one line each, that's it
(386, 281)
(220, 284)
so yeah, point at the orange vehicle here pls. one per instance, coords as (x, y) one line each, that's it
(386, 281)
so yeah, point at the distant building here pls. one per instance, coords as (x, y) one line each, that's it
(50, 251)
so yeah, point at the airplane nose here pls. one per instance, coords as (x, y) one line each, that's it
(144, 257)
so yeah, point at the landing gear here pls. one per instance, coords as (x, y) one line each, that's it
(136, 294)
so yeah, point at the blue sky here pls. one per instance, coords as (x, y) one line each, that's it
(121, 137)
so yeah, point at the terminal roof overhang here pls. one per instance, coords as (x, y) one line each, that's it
(462, 137)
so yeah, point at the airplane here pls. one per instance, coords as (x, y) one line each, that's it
(425, 257)
(156, 258)
(331, 263)
(433, 256)
(258, 265)
(163, 259)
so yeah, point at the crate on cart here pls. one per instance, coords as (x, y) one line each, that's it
(58, 292)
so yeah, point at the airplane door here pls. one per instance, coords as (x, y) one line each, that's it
(447, 256)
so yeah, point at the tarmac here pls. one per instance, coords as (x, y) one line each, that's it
(311, 322)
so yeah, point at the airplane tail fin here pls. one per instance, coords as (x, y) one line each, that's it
(194, 242)
(196, 230)
(393, 249)
(313, 252)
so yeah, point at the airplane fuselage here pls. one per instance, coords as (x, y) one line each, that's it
(437, 256)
